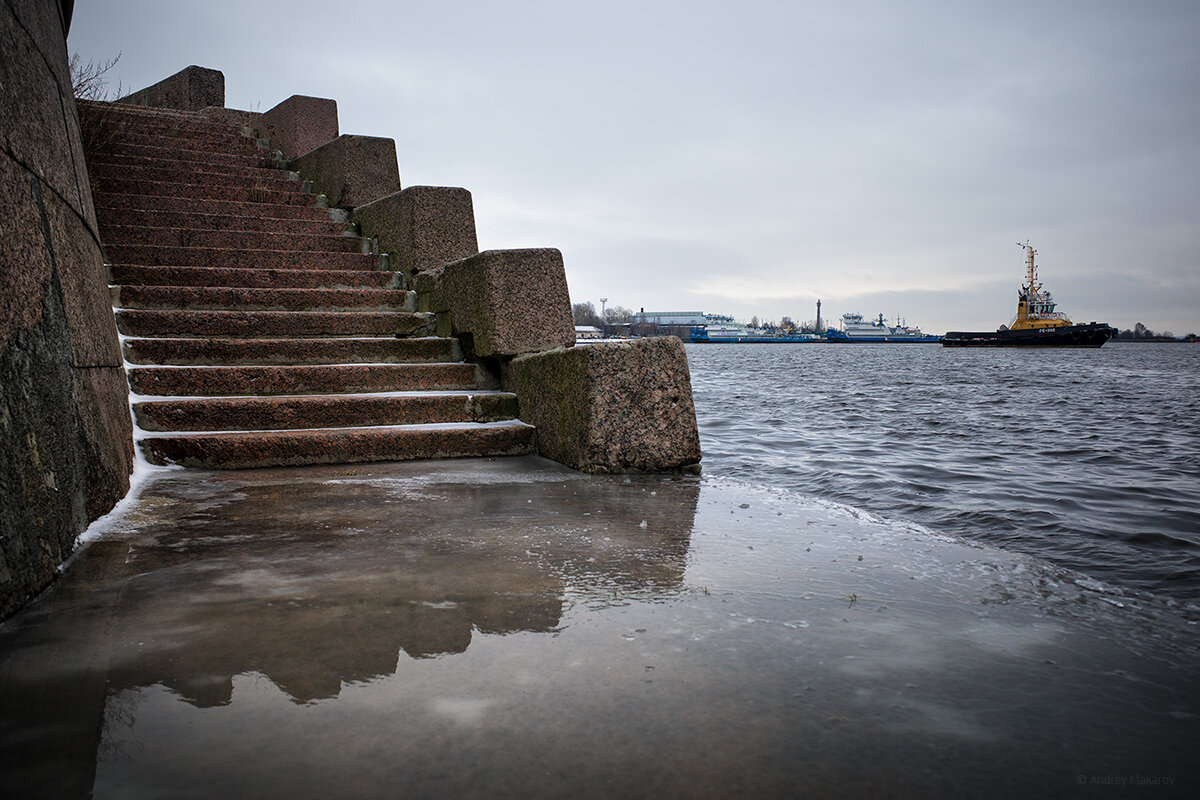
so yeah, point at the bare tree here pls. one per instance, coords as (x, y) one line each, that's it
(90, 81)
(618, 315)
(585, 314)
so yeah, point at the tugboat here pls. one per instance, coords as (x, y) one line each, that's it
(1037, 323)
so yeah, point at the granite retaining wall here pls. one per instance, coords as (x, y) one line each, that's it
(65, 429)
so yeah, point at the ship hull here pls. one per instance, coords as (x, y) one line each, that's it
(754, 340)
(842, 338)
(1094, 334)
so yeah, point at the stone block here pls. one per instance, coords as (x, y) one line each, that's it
(300, 124)
(44, 22)
(106, 435)
(65, 429)
(422, 227)
(502, 303)
(190, 89)
(352, 170)
(84, 281)
(32, 127)
(610, 407)
(24, 259)
(232, 116)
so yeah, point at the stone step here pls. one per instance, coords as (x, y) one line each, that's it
(149, 255)
(229, 208)
(123, 137)
(149, 126)
(271, 324)
(146, 115)
(138, 111)
(246, 277)
(113, 132)
(176, 172)
(326, 241)
(339, 446)
(323, 411)
(271, 193)
(316, 221)
(163, 158)
(242, 299)
(215, 130)
(224, 381)
(177, 152)
(265, 352)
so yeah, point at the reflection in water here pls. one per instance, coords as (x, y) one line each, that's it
(315, 581)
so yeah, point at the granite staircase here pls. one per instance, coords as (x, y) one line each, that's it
(258, 327)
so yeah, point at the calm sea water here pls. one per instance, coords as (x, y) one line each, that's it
(1087, 458)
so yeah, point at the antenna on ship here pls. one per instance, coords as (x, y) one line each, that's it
(1030, 267)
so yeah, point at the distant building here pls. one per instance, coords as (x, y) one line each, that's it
(587, 332)
(668, 323)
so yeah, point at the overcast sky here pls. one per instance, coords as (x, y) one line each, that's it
(747, 157)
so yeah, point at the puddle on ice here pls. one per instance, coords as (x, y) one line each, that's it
(496, 641)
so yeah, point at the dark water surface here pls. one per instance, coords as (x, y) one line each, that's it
(1087, 458)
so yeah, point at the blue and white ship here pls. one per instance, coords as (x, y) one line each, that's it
(855, 329)
(723, 330)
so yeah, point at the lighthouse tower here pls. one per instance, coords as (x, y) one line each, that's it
(818, 316)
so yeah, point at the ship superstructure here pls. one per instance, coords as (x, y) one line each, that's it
(856, 329)
(1035, 307)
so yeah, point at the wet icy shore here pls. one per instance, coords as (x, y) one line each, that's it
(503, 628)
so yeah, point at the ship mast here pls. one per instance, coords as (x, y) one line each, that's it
(1031, 283)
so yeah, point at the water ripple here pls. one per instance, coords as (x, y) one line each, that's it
(1088, 458)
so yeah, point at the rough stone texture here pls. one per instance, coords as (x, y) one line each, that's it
(502, 303)
(423, 227)
(191, 89)
(619, 407)
(234, 352)
(341, 446)
(65, 430)
(323, 411)
(84, 282)
(260, 324)
(224, 381)
(300, 124)
(232, 116)
(249, 277)
(35, 101)
(239, 299)
(352, 170)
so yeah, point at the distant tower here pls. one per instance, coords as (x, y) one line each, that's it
(818, 315)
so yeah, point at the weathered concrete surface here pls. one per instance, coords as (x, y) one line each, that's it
(501, 303)
(65, 430)
(610, 407)
(512, 628)
(299, 124)
(191, 89)
(352, 170)
(422, 227)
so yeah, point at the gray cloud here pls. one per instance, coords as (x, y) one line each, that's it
(747, 157)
